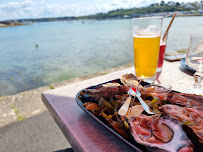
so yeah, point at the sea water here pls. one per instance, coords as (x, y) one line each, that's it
(36, 55)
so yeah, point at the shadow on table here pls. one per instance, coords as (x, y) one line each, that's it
(100, 136)
(157, 77)
(65, 150)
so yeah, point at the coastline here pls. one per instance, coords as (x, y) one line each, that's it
(27, 104)
(12, 24)
(16, 23)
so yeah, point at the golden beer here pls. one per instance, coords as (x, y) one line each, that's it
(146, 53)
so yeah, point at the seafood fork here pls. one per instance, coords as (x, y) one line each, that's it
(134, 92)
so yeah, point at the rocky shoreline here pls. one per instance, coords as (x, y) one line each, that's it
(27, 104)
(11, 24)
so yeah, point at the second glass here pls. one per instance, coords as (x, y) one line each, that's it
(194, 59)
(146, 37)
(162, 50)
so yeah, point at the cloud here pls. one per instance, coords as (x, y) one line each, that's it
(131, 3)
(17, 9)
(20, 9)
(52, 8)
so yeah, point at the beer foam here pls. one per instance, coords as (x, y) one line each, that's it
(149, 35)
(151, 31)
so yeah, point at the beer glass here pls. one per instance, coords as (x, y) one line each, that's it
(146, 38)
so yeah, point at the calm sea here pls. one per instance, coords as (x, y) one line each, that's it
(73, 48)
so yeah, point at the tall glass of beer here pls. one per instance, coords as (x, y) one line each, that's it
(146, 38)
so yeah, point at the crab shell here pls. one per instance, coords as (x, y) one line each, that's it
(159, 132)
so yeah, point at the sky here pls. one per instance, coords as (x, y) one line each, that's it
(22, 9)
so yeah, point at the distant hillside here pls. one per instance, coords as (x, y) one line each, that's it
(135, 12)
(119, 13)
(161, 8)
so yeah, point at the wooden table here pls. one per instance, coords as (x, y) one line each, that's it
(83, 132)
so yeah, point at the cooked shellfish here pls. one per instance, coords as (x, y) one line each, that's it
(192, 117)
(159, 132)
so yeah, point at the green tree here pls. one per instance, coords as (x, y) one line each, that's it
(177, 4)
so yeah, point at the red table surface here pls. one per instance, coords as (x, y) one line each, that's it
(83, 132)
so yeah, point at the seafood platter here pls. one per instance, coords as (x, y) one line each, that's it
(173, 124)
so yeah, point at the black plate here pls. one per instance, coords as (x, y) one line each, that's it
(183, 63)
(80, 101)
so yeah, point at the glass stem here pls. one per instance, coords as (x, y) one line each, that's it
(198, 80)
